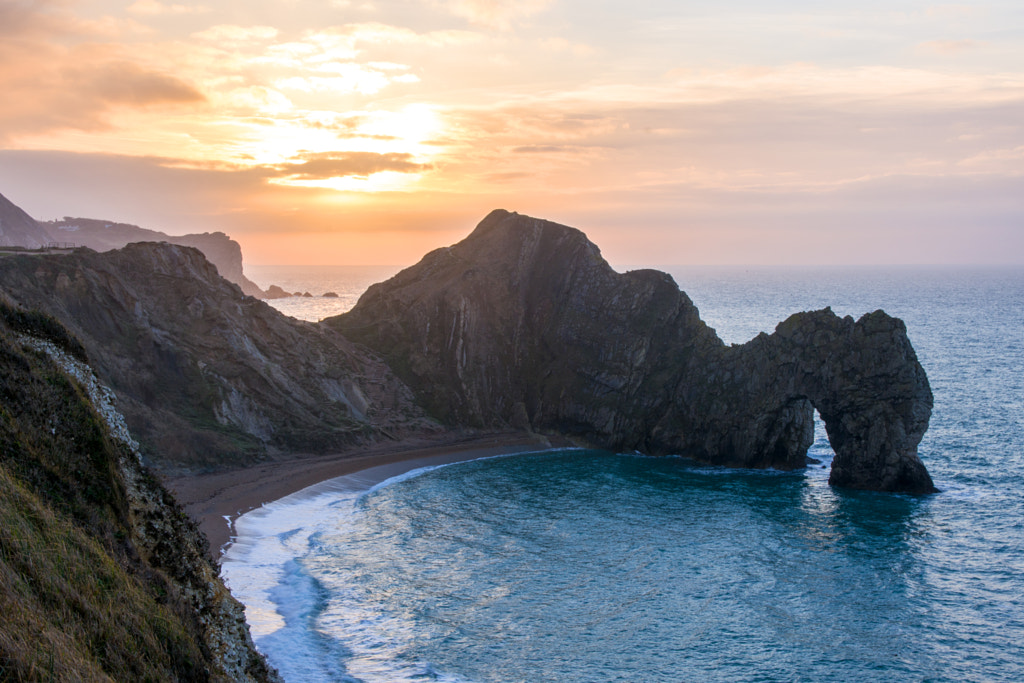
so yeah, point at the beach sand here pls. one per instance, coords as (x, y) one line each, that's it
(216, 500)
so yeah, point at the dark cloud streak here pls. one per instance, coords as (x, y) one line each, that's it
(323, 165)
(127, 83)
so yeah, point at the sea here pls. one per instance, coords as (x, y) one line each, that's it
(580, 565)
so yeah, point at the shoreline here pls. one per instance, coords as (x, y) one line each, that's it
(216, 500)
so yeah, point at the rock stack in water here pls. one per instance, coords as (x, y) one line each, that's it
(524, 324)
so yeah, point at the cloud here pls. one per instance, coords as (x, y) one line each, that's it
(991, 160)
(348, 4)
(127, 83)
(538, 149)
(255, 99)
(154, 8)
(953, 12)
(324, 165)
(59, 71)
(356, 80)
(28, 22)
(349, 77)
(791, 143)
(948, 47)
(557, 44)
(918, 219)
(21, 18)
(80, 88)
(230, 35)
(499, 14)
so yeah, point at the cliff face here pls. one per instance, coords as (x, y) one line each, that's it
(206, 376)
(18, 229)
(524, 324)
(102, 576)
(219, 249)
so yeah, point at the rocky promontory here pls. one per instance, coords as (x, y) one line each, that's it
(524, 324)
(222, 251)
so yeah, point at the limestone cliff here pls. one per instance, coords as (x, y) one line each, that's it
(206, 376)
(524, 324)
(102, 576)
(219, 249)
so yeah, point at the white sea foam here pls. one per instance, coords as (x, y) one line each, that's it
(304, 635)
(285, 605)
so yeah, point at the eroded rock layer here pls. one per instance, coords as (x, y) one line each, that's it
(524, 324)
(209, 377)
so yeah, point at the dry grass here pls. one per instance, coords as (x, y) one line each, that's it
(77, 603)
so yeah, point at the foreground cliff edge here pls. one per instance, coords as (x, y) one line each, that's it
(102, 575)
(524, 324)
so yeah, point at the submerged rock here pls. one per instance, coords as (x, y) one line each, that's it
(524, 324)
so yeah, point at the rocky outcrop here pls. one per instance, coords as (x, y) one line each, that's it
(18, 229)
(219, 249)
(104, 577)
(523, 324)
(865, 381)
(206, 376)
(275, 292)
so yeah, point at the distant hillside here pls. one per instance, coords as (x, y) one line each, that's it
(102, 575)
(219, 249)
(18, 229)
(208, 377)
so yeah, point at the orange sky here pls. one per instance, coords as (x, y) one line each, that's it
(348, 132)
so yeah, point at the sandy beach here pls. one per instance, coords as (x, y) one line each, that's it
(216, 500)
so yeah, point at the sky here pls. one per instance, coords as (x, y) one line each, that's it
(671, 132)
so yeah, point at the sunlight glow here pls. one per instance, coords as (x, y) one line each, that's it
(764, 134)
(383, 181)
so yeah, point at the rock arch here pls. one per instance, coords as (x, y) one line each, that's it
(524, 325)
(870, 390)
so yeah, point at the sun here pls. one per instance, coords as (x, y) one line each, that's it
(287, 140)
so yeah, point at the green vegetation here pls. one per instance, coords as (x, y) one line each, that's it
(40, 325)
(78, 600)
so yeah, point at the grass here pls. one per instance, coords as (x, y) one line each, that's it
(42, 326)
(73, 611)
(77, 600)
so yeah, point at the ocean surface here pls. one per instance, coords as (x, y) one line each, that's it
(591, 566)
(348, 282)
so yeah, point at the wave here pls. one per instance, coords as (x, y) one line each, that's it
(287, 607)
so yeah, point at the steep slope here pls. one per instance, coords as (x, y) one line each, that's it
(219, 249)
(18, 229)
(206, 376)
(524, 324)
(102, 576)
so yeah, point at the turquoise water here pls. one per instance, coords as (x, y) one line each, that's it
(591, 566)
